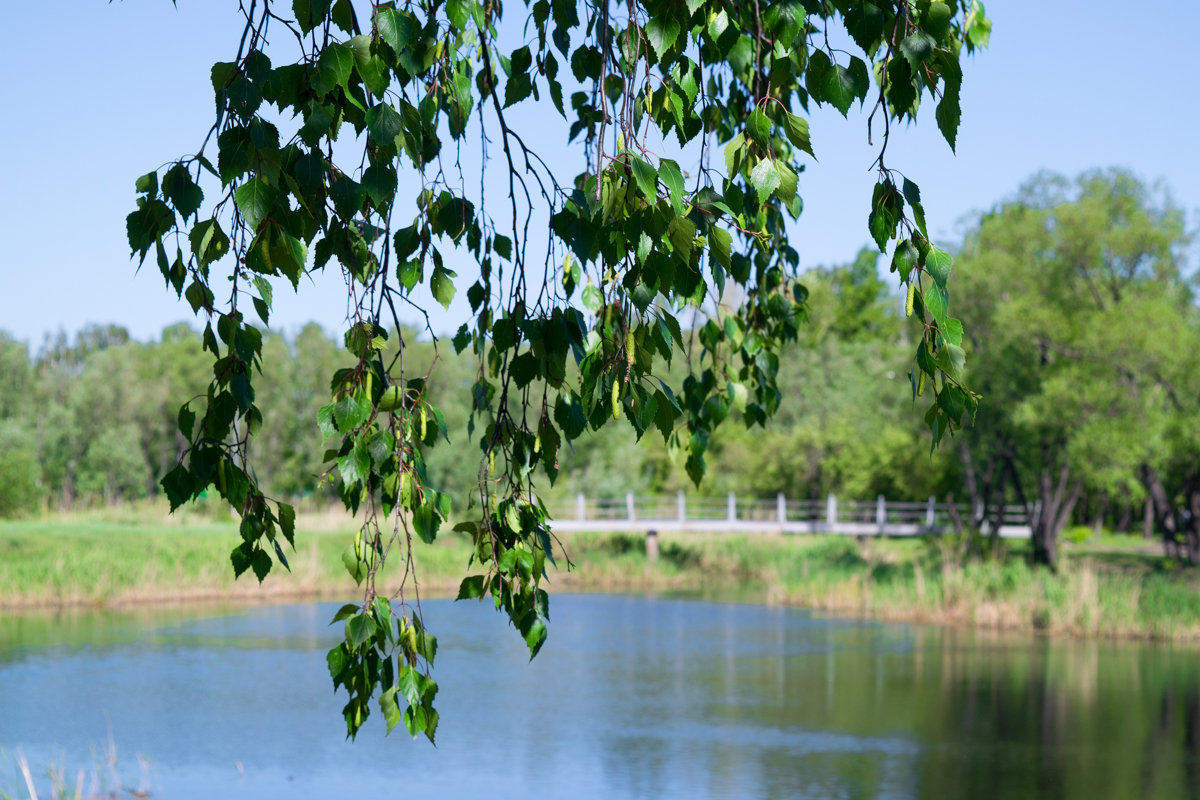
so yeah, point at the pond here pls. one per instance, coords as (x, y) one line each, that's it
(632, 697)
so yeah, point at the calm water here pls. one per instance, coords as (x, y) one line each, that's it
(632, 697)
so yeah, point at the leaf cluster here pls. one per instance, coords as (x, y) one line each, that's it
(643, 250)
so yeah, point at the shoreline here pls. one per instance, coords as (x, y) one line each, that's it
(956, 619)
(1116, 594)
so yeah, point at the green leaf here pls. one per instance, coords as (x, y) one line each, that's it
(720, 243)
(384, 123)
(952, 361)
(938, 264)
(646, 177)
(979, 27)
(901, 92)
(682, 233)
(178, 486)
(503, 247)
(356, 465)
(913, 195)
(936, 302)
(759, 126)
(379, 182)
(334, 66)
(442, 285)
(260, 562)
(359, 630)
(255, 198)
(187, 421)
(309, 13)
(948, 111)
(839, 87)
(916, 49)
(287, 523)
(787, 182)
(349, 412)
(535, 637)
(905, 258)
(389, 709)
(765, 179)
(181, 191)
(354, 565)
(796, 129)
(662, 32)
(519, 85)
(286, 254)
(241, 558)
(886, 212)
(735, 152)
(147, 184)
(459, 12)
(471, 588)
(426, 522)
(738, 395)
(593, 300)
(672, 177)
(395, 28)
(952, 329)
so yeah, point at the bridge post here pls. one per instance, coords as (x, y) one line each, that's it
(629, 506)
(781, 508)
(652, 545)
(880, 512)
(580, 506)
(732, 507)
(831, 512)
(930, 513)
(681, 505)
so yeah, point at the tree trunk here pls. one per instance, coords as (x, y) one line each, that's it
(972, 483)
(1057, 502)
(1191, 516)
(997, 517)
(1125, 518)
(1148, 519)
(1099, 510)
(1164, 511)
(955, 518)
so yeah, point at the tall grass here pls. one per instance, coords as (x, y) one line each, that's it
(1106, 588)
(100, 780)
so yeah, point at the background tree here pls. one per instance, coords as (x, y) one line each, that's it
(20, 474)
(1078, 309)
(341, 127)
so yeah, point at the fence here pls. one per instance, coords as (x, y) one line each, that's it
(781, 515)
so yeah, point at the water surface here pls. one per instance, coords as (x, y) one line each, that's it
(632, 697)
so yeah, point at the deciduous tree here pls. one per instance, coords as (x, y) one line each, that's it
(1080, 323)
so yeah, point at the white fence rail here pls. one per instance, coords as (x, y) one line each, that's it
(781, 515)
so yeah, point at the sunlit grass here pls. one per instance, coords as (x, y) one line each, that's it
(1109, 586)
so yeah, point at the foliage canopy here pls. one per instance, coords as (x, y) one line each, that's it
(1083, 321)
(338, 138)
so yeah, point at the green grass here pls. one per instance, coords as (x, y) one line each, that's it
(1110, 586)
(75, 561)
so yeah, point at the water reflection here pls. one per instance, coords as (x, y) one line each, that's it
(633, 697)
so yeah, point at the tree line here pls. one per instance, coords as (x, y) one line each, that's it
(1082, 333)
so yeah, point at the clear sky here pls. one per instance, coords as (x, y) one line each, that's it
(97, 94)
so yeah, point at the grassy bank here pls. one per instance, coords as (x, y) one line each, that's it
(1111, 587)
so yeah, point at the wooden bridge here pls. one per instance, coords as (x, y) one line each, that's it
(781, 515)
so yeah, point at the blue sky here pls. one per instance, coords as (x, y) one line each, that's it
(97, 94)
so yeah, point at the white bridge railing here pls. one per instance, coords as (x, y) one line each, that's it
(781, 515)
